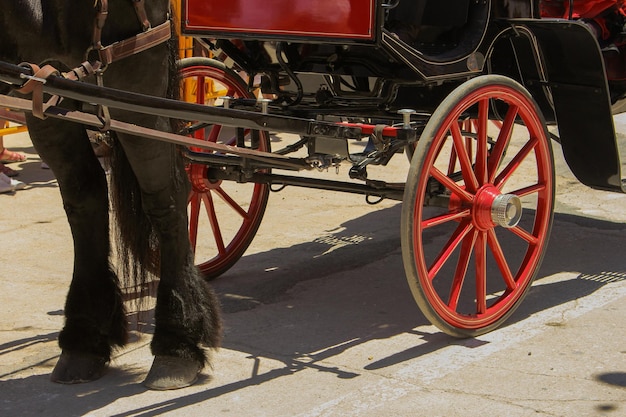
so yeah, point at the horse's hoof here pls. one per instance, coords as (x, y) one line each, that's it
(170, 372)
(76, 368)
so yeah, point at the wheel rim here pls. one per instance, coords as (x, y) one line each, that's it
(223, 216)
(474, 280)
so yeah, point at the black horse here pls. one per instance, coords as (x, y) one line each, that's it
(149, 195)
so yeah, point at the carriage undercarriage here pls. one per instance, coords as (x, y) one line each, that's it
(469, 109)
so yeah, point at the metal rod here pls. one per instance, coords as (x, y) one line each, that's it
(319, 184)
(128, 128)
(157, 106)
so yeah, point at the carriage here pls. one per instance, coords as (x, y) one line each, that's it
(466, 89)
(443, 82)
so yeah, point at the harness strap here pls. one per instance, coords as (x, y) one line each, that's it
(82, 71)
(102, 13)
(147, 39)
(136, 44)
(140, 9)
(35, 84)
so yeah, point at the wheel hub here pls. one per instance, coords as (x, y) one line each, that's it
(198, 177)
(506, 210)
(494, 209)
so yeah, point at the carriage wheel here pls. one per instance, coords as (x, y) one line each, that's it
(475, 224)
(223, 215)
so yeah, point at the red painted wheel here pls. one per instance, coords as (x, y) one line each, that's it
(476, 220)
(224, 216)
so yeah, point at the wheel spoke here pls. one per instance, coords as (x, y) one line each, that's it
(445, 218)
(461, 270)
(461, 231)
(470, 127)
(452, 161)
(481, 273)
(232, 203)
(531, 189)
(528, 237)
(194, 212)
(481, 147)
(515, 162)
(471, 182)
(215, 225)
(200, 91)
(451, 185)
(503, 265)
(504, 137)
(214, 133)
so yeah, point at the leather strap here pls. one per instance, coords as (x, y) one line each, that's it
(147, 39)
(102, 13)
(35, 84)
(84, 70)
(136, 44)
(140, 9)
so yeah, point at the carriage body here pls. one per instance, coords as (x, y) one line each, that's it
(350, 37)
(300, 20)
(395, 51)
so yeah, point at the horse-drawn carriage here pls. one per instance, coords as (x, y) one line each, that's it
(465, 88)
(444, 82)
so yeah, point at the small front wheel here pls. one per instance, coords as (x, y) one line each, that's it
(475, 225)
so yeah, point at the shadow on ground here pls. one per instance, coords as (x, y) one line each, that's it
(310, 302)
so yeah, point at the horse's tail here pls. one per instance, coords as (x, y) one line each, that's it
(137, 243)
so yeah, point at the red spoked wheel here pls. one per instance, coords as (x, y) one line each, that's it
(476, 219)
(224, 216)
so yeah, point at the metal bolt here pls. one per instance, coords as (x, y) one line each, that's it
(265, 102)
(406, 117)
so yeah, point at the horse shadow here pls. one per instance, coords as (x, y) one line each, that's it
(302, 306)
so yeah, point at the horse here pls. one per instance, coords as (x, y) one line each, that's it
(148, 192)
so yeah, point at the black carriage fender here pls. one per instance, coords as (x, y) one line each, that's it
(573, 71)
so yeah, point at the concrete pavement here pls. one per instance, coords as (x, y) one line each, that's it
(320, 322)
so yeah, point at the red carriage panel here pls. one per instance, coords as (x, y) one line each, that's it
(340, 19)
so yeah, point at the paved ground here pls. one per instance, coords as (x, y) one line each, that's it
(320, 322)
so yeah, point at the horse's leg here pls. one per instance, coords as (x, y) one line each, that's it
(94, 314)
(187, 311)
